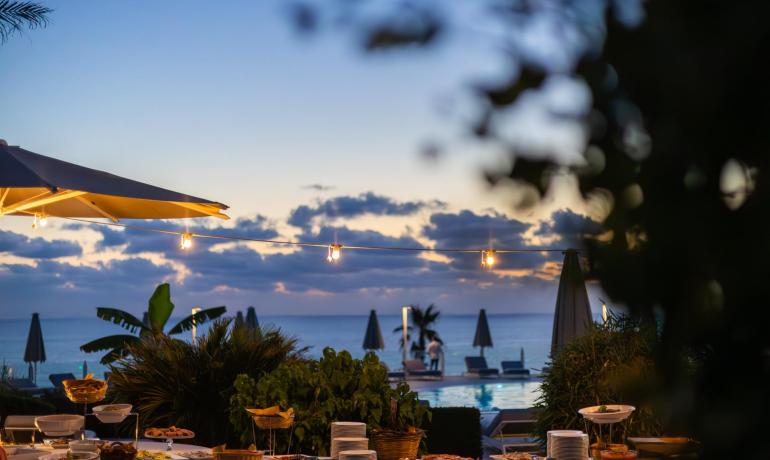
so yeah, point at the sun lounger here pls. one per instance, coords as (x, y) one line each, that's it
(510, 430)
(25, 385)
(415, 369)
(57, 379)
(477, 365)
(514, 369)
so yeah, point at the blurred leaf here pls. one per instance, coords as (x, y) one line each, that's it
(505, 95)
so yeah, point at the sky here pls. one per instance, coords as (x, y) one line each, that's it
(305, 138)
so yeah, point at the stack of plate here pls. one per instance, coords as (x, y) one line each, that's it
(358, 455)
(548, 443)
(568, 445)
(343, 444)
(348, 436)
(348, 430)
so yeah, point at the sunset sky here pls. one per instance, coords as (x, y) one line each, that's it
(305, 138)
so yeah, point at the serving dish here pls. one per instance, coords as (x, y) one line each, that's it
(60, 424)
(112, 413)
(607, 413)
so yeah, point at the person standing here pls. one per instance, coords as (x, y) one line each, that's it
(434, 351)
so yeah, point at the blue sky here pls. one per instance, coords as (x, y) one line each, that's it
(231, 104)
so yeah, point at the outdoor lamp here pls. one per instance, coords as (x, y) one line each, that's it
(334, 253)
(488, 258)
(186, 240)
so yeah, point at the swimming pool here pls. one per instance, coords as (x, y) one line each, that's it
(485, 396)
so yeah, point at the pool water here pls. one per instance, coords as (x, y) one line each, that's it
(486, 396)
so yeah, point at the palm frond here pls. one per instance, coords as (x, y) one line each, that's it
(198, 318)
(122, 318)
(16, 16)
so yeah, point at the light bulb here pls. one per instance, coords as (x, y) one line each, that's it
(334, 253)
(43, 220)
(34, 222)
(488, 259)
(186, 241)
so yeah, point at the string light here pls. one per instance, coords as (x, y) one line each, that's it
(488, 258)
(186, 241)
(334, 253)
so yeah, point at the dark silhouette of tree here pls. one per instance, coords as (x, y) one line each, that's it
(423, 321)
(677, 148)
(17, 16)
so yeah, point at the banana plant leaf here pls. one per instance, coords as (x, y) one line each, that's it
(117, 344)
(160, 308)
(122, 318)
(198, 318)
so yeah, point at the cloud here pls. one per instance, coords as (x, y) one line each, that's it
(36, 248)
(298, 279)
(466, 230)
(139, 241)
(319, 187)
(570, 227)
(354, 206)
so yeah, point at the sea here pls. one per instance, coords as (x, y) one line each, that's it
(510, 333)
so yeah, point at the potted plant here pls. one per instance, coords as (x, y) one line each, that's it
(401, 436)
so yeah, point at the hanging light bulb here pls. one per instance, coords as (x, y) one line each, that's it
(43, 220)
(488, 258)
(34, 221)
(186, 240)
(334, 253)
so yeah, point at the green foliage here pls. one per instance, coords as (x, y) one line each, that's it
(601, 367)
(336, 387)
(14, 402)
(159, 311)
(454, 430)
(171, 382)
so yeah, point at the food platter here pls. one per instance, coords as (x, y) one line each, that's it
(171, 432)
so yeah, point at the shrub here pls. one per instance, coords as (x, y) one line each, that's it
(600, 368)
(336, 387)
(454, 430)
(13, 402)
(171, 382)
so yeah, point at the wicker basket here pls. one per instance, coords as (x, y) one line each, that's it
(77, 394)
(395, 445)
(272, 422)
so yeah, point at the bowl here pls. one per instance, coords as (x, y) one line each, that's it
(220, 453)
(88, 445)
(619, 413)
(71, 456)
(112, 413)
(117, 451)
(60, 424)
(663, 446)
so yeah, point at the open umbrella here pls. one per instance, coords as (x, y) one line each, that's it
(238, 320)
(572, 317)
(373, 338)
(251, 319)
(483, 337)
(34, 184)
(35, 351)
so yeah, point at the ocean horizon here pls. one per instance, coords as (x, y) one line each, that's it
(510, 333)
